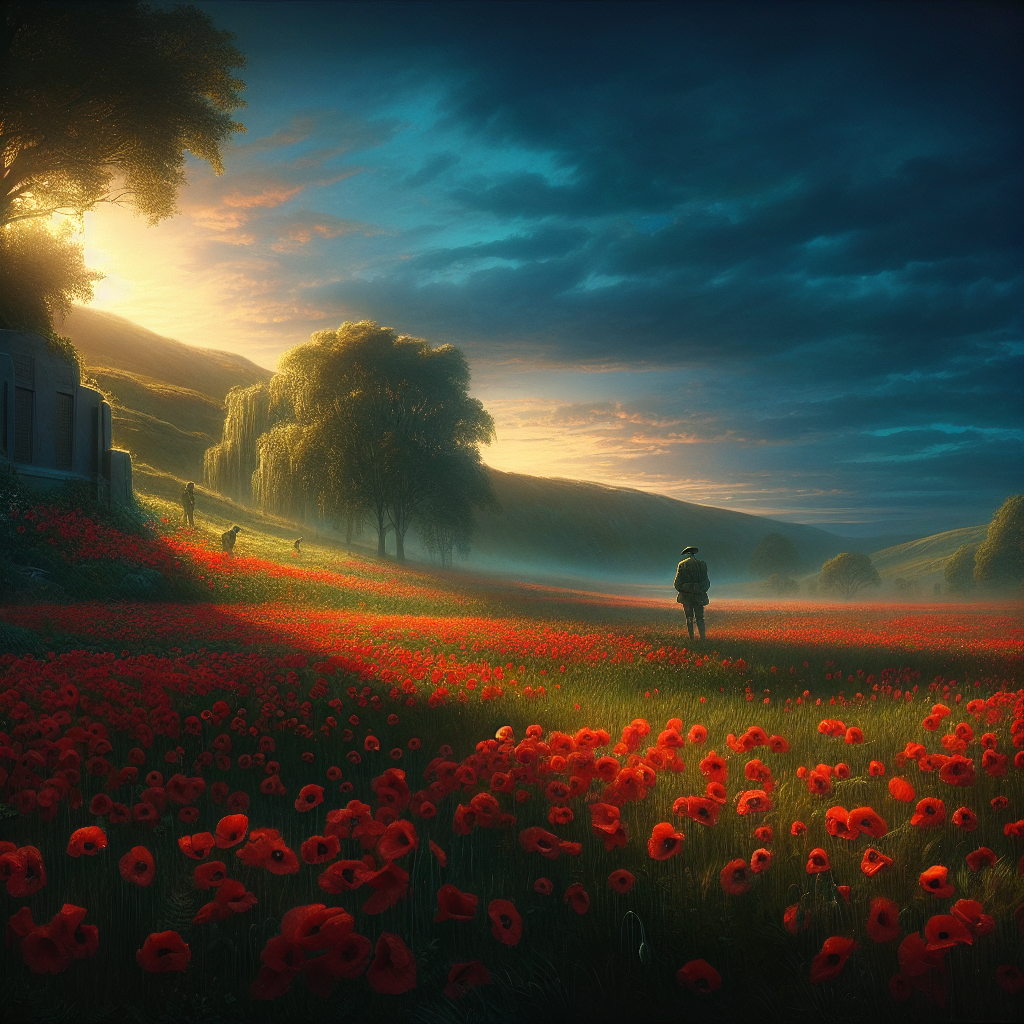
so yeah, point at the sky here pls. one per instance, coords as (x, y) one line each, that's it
(761, 256)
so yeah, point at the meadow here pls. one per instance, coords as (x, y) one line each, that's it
(300, 785)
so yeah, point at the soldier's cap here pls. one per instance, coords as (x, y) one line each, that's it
(687, 551)
(237, 529)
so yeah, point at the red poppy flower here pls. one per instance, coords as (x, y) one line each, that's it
(837, 823)
(154, 780)
(506, 924)
(538, 840)
(760, 860)
(219, 792)
(957, 771)
(163, 952)
(390, 884)
(994, 764)
(315, 927)
(620, 880)
(1010, 979)
(844, 891)
(89, 841)
(665, 841)
(899, 988)
(915, 958)
(798, 828)
(309, 797)
(399, 838)
(138, 867)
(577, 897)
(414, 743)
(873, 861)
(699, 808)
(828, 964)
(883, 920)
(231, 830)
(700, 977)
(933, 881)
(233, 896)
(238, 802)
(320, 849)
(544, 886)
(40, 948)
(792, 917)
(965, 819)
(462, 977)
(972, 915)
(23, 871)
(453, 905)
(735, 877)
(119, 814)
(716, 791)
(393, 970)
(714, 767)
(344, 875)
(753, 801)
(819, 783)
(777, 745)
(560, 815)
(101, 805)
(764, 833)
(980, 858)
(900, 789)
(211, 875)
(346, 960)
(867, 820)
(697, 734)
(842, 770)
(944, 931)
(817, 862)
(930, 813)
(187, 815)
(198, 846)
(71, 935)
(876, 769)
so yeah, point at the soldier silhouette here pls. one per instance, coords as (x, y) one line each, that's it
(227, 540)
(298, 550)
(692, 585)
(188, 503)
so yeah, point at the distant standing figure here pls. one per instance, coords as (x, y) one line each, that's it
(692, 585)
(188, 503)
(227, 540)
(298, 550)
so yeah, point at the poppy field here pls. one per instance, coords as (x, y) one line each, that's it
(327, 786)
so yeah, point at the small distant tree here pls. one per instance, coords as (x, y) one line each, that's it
(959, 574)
(999, 560)
(776, 554)
(782, 584)
(848, 574)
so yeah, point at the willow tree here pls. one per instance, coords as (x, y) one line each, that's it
(379, 425)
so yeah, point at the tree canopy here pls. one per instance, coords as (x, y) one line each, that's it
(370, 423)
(999, 561)
(959, 571)
(100, 101)
(848, 574)
(776, 554)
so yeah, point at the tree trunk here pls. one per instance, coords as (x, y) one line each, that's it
(382, 535)
(399, 546)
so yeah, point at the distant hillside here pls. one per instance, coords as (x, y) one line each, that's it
(590, 529)
(167, 398)
(924, 561)
(167, 401)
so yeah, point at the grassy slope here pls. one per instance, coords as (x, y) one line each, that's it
(167, 401)
(167, 398)
(924, 560)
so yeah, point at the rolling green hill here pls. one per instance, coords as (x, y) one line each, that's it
(167, 400)
(924, 561)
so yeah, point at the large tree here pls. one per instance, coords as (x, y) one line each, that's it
(848, 574)
(776, 554)
(99, 103)
(999, 561)
(959, 571)
(372, 423)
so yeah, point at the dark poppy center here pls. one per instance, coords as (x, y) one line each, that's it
(349, 875)
(934, 883)
(739, 875)
(704, 812)
(668, 844)
(506, 921)
(929, 809)
(141, 867)
(833, 959)
(88, 846)
(217, 876)
(883, 918)
(164, 951)
(943, 935)
(232, 836)
(321, 849)
(703, 984)
(403, 839)
(277, 855)
(80, 935)
(310, 797)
